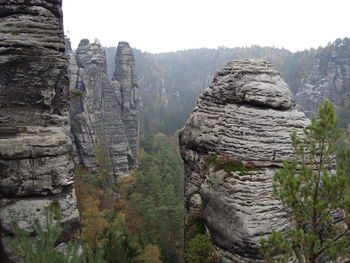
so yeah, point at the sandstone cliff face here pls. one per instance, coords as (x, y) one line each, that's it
(235, 139)
(129, 97)
(104, 113)
(329, 77)
(36, 167)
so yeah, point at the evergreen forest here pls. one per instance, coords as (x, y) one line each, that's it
(146, 221)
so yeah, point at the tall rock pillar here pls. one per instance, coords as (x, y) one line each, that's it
(104, 113)
(36, 166)
(129, 92)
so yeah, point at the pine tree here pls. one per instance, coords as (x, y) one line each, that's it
(315, 193)
(200, 249)
(41, 248)
(118, 243)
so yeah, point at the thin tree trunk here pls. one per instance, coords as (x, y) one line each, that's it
(300, 257)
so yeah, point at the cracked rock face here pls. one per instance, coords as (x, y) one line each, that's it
(129, 96)
(329, 78)
(36, 166)
(104, 112)
(233, 142)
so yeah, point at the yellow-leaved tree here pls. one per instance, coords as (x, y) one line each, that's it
(151, 254)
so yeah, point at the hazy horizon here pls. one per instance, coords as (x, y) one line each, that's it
(159, 26)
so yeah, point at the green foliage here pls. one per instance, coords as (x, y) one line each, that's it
(325, 55)
(77, 94)
(173, 81)
(209, 161)
(194, 225)
(344, 122)
(200, 249)
(96, 256)
(41, 248)
(104, 174)
(105, 232)
(94, 203)
(226, 163)
(151, 254)
(118, 243)
(148, 217)
(157, 200)
(312, 190)
(280, 253)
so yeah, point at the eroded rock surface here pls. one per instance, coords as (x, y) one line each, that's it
(104, 114)
(235, 139)
(129, 96)
(36, 165)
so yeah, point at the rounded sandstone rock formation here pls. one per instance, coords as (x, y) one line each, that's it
(232, 144)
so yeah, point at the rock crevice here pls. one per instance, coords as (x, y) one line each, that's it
(104, 113)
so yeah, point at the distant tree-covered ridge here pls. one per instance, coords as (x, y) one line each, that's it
(171, 82)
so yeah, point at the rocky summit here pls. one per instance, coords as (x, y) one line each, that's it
(232, 144)
(104, 113)
(36, 166)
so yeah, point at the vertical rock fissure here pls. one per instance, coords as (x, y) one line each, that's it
(103, 116)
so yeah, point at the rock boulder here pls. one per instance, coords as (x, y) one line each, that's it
(233, 142)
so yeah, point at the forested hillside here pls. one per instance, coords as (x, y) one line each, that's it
(145, 224)
(171, 82)
(118, 155)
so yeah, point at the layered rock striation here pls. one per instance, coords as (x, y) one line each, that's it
(104, 114)
(233, 142)
(129, 97)
(329, 77)
(36, 166)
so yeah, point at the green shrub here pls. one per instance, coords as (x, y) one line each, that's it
(77, 94)
(209, 161)
(315, 193)
(228, 164)
(194, 225)
(41, 248)
(200, 249)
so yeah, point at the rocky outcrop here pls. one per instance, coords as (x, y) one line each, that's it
(235, 139)
(329, 77)
(104, 114)
(129, 97)
(36, 167)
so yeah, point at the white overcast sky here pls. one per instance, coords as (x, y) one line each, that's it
(170, 25)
